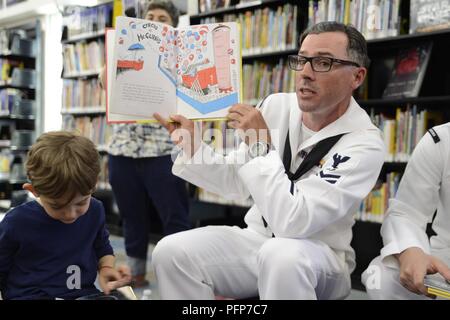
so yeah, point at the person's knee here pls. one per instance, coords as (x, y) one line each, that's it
(379, 280)
(167, 250)
(277, 254)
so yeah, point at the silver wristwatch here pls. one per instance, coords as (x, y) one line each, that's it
(258, 149)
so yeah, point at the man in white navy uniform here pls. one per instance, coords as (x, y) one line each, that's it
(297, 243)
(408, 255)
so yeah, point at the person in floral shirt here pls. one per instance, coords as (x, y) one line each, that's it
(140, 173)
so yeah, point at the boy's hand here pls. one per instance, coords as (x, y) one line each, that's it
(182, 132)
(414, 265)
(111, 278)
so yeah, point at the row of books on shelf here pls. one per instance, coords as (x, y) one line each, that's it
(21, 77)
(6, 68)
(94, 128)
(82, 94)
(7, 98)
(85, 20)
(373, 18)
(6, 158)
(402, 133)
(375, 205)
(261, 79)
(265, 30)
(83, 57)
(16, 42)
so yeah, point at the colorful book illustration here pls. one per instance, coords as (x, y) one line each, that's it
(437, 286)
(194, 71)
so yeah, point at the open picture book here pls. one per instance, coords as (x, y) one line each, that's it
(194, 71)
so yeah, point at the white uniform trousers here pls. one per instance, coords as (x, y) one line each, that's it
(238, 263)
(388, 286)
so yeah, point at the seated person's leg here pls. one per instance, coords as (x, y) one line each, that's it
(383, 283)
(301, 269)
(205, 262)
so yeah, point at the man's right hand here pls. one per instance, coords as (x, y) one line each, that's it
(182, 132)
(415, 264)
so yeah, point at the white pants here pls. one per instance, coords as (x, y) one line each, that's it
(239, 263)
(388, 286)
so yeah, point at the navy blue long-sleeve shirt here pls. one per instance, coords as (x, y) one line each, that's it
(38, 254)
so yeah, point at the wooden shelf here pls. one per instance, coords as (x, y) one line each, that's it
(14, 56)
(102, 149)
(19, 181)
(395, 166)
(20, 148)
(5, 143)
(16, 117)
(6, 85)
(84, 36)
(401, 39)
(269, 54)
(238, 8)
(82, 74)
(83, 110)
(429, 101)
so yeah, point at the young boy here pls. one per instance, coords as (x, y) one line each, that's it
(54, 246)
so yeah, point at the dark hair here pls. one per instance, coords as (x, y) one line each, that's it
(62, 163)
(357, 45)
(168, 6)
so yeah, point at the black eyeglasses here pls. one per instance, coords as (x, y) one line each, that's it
(318, 64)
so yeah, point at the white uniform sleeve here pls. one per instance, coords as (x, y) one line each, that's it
(318, 200)
(415, 202)
(214, 172)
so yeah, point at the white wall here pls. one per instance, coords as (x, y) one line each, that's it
(52, 82)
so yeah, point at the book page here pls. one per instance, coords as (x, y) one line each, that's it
(209, 68)
(142, 70)
(113, 117)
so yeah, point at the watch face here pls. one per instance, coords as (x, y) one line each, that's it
(258, 149)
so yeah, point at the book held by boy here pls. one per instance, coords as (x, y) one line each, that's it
(152, 67)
